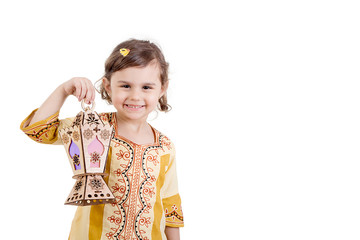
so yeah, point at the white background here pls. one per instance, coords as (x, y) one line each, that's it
(265, 118)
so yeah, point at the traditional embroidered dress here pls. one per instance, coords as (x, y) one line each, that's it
(142, 178)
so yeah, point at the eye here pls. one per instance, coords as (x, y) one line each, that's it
(147, 87)
(125, 86)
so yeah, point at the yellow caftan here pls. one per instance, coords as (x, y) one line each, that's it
(142, 178)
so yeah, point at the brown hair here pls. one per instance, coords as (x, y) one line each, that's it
(141, 53)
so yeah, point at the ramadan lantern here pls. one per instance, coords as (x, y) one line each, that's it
(87, 144)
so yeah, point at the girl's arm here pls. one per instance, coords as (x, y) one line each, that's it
(82, 88)
(172, 233)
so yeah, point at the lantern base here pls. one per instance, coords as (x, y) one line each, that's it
(90, 190)
(90, 202)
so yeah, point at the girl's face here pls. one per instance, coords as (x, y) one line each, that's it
(135, 91)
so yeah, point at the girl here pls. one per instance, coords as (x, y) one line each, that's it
(141, 163)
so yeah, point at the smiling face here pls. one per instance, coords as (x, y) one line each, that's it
(135, 91)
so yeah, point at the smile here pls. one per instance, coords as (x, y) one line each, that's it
(134, 106)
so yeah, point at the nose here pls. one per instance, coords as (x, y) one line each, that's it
(135, 94)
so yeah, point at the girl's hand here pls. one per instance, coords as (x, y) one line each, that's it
(81, 88)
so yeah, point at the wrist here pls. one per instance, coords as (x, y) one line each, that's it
(61, 90)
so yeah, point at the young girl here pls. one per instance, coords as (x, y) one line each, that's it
(141, 163)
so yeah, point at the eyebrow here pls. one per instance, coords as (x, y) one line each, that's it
(122, 81)
(126, 82)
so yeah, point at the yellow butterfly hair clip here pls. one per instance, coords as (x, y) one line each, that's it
(124, 51)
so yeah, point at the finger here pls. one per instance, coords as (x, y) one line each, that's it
(90, 94)
(92, 90)
(83, 89)
(77, 86)
(94, 93)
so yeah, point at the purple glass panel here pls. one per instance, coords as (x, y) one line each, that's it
(74, 152)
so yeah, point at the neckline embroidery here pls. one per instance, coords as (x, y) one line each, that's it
(112, 120)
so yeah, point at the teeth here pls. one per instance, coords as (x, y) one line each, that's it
(134, 106)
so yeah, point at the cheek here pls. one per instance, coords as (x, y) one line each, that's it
(153, 99)
(117, 99)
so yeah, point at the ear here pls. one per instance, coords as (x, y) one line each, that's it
(107, 85)
(164, 89)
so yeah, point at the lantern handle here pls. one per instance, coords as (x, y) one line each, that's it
(87, 108)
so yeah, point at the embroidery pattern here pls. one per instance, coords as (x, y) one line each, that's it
(137, 167)
(37, 135)
(121, 193)
(174, 215)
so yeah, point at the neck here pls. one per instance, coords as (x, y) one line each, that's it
(131, 125)
(137, 131)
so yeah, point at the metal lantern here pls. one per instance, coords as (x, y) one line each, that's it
(87, 144)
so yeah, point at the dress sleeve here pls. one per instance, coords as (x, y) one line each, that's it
(44, 131)
(171, 198)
